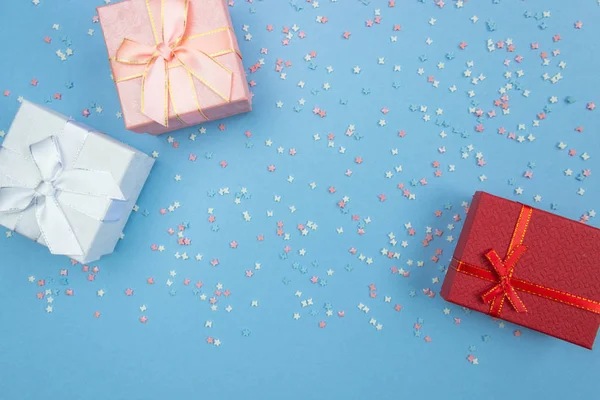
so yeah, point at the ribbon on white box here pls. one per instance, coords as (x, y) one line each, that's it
(36, 181)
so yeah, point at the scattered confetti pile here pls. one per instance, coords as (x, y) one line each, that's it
(304, 244)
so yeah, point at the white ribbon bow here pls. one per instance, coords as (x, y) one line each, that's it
(35, 183)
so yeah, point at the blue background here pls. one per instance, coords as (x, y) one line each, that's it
(265, 353)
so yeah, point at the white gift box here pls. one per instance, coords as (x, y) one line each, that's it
(66, 186)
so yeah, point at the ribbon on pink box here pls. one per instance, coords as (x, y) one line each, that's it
(168, 67)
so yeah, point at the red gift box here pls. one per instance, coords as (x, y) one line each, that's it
(529, 267)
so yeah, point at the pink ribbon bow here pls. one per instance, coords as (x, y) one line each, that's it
(161, 85)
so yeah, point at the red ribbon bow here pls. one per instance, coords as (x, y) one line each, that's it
(504, 289)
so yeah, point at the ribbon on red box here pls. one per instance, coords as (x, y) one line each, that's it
(506, 286)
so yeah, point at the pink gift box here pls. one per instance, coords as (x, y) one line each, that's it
(176, 63)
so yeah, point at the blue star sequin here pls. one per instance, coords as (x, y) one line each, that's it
(66, 41)
(295, 5)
